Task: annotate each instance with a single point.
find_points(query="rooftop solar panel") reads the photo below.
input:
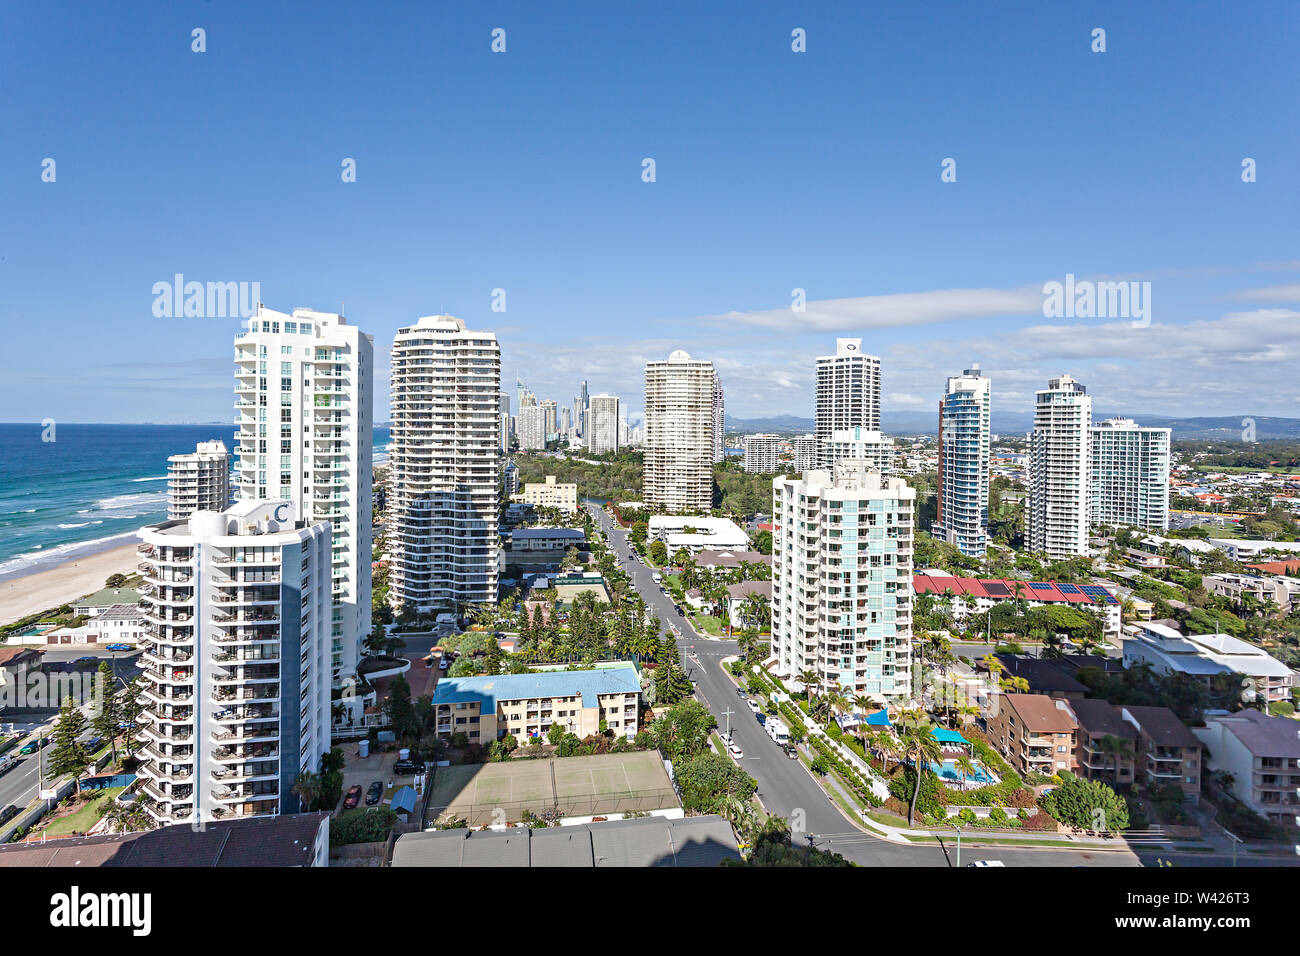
(1067, 589)
(1041, 585)
(996, 589)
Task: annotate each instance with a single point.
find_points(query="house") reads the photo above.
(738, 594)
(696, 534)
(1145, 559)
(1043, 677)
(1034, 732)
(966, 596)
(95, 604)
(14, 663)
(1262, 756)
(713, 560)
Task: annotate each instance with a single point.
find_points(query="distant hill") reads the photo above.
(1221, 428)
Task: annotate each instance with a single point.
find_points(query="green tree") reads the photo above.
(68, 755)
(708, 780)
(1086, 804)
(108, 712)
(683, 730)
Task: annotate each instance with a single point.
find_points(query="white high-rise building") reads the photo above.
(848, 389)
(304, 404)
(1129, 474)
(504, 422)
(679, 433)
(602, 419)
(1057, 516)
(445, 458)
(807, 452)
(198, 481)
(842, 545)
(762, 454)
(963, 493)
(236, 666)
(861, 444)
(719, 420)
(532, 428)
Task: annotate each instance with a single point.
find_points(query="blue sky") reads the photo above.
(775, 170)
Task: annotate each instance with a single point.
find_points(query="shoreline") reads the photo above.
(41, 589)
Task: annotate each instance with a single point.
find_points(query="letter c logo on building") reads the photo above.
(279, 512)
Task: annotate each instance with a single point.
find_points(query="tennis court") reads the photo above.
(573, 786)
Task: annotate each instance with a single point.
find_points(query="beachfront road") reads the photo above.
(784, 785)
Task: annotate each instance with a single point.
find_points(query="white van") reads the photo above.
(656, 577)
(7, 762)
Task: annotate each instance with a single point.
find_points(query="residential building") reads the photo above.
(967, 596)
(738, 595)
(526, 705)
(719, 418)
(762, 454)
(1251, 593)
(1205, 657)
(445, 458)
(550, 494)
(510, 478)
(1106, 745)
(963, 492)
(1034, 732)
(807, 452)
(1129, 475)
(601, 424)
(531, 423)
(842, 545)
(848, 389)
(553, 541)
(236, 665)
(96, 604)
(862, 444)
(678, 471)
(1057, 516)
(304, 405)
(1262, 756)
(1167, 752)
(198, 481)
(696, 534)
(1251, 549)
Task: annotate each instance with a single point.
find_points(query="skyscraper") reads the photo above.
(842, 545)
(237, 660)
(762, 454)
(719, 417)
(532, 428)
(1129, 475)
(873, 447)
(848, 389)
(603, 415)
(678, 471)
(304, 405)
(963, 493)
(1056, 519)
(580, 411)
(445, 461)
(198, 481)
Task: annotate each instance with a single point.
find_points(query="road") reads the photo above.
(784, 785)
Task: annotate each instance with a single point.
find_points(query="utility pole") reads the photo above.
(727, 713)
(958, 829)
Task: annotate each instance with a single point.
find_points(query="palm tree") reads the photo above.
(965, 767)
(921, 747)
(308, 787)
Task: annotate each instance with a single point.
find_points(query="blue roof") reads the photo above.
(621, 679)
(574, 533)
(879, 719)
(946, 736)
(403, 800)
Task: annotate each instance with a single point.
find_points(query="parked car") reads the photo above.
(404, 768)
(792, 753)
(7, 814)
(34, 746)
(353, 797)
(93, 744)
(753, 704)
(736, 752)
(374, 793)
(119, 647)
(86, 660)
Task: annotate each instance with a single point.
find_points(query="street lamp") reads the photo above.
(958, 829)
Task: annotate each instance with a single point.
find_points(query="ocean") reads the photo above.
(91, 488)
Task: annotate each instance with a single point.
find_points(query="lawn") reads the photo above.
(84, 817)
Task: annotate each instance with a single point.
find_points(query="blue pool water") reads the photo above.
(948, 771)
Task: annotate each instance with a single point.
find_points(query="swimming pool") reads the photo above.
(948, 772)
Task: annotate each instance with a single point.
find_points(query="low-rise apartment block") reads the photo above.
(527, 705)
(1205, 656)
(1262, 755)
(552, 494)
(1034, 732)
(1167, 751)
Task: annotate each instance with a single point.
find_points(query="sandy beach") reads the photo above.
(62, 584)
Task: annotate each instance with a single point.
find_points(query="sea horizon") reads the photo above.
(92, 488)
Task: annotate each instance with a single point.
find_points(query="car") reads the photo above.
(753, 705)
(8, 813)
(34, 746)
(93, 744)
(736, 752)
(353, 797)
(404, 768)
(987, 863)
(741, 694)
(792, 753)
(86, 660)
(681, 612)
(374, 793)
(119, 647)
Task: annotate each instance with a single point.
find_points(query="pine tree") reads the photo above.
(68, 755)
(109, 714)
